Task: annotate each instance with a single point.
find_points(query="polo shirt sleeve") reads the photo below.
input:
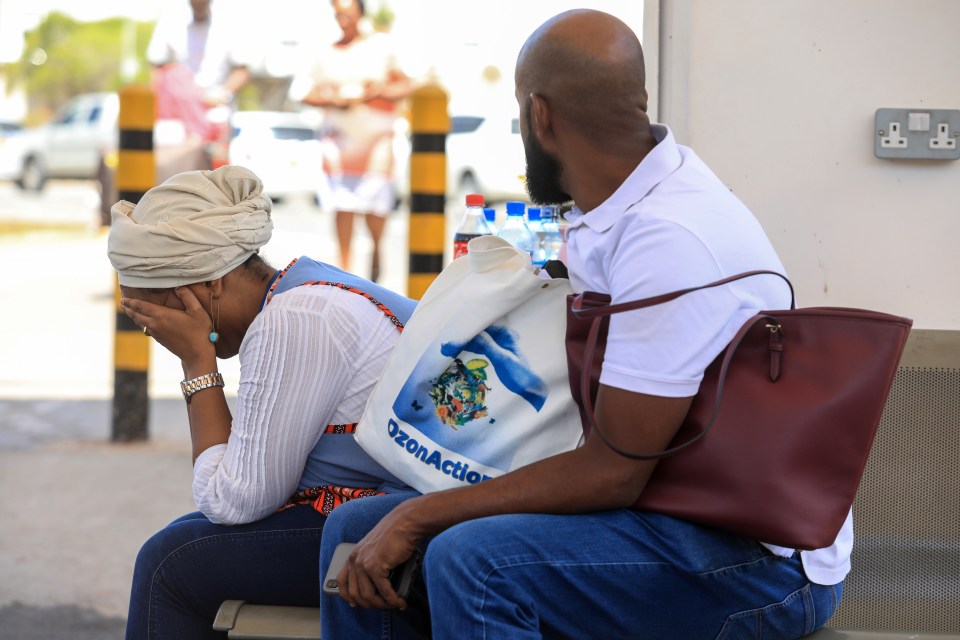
(664, 350)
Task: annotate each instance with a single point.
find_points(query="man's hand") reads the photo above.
(365, 578)
(605, 480)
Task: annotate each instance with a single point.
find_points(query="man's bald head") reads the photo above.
(588, 65)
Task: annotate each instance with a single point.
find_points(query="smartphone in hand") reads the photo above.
(401, 578)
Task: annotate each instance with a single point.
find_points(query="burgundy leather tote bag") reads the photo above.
(777, 438)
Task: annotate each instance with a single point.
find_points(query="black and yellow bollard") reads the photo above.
(136, 173)
(430, 124)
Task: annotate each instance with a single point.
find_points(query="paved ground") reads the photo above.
(75, 506)
(23, 622)
(75, 513)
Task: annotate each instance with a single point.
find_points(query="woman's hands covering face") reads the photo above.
(181, 325)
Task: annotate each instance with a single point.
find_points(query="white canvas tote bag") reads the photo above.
(477, 385)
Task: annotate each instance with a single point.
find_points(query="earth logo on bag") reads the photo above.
(459, 404)
(460, 392)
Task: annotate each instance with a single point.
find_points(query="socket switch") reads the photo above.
(923, 134)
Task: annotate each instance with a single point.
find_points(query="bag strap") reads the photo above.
(590, 348)
(593, 311)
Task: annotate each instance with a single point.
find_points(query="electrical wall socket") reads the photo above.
(924, 134)
(893, 139)
(943, 140)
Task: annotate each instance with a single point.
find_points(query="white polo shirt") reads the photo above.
(672, 225)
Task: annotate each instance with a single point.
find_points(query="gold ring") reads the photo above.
(146, 331)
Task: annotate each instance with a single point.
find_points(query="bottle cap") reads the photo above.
(490, 214)
(533, 213)
(515, 208)
(474, 200)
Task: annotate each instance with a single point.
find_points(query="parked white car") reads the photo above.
(10, 149)
(283, 148)
(81, 143)
(485, 155)
(72, 145)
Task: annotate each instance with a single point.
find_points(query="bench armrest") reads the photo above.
(243, 621)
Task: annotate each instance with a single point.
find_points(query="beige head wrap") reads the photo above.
(196, 226)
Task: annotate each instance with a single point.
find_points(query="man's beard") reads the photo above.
(543, 174)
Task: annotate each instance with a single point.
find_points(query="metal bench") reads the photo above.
(905, 581)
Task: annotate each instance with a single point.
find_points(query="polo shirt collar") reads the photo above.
(663, 160)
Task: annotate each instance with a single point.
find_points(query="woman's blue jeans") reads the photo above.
(613, 574)
(187, 569)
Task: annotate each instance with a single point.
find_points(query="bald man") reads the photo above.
(554, 549)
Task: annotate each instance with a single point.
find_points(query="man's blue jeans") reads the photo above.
(187, 569)
(613, 574)
(349, 523)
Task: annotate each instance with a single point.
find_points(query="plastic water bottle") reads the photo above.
(515, 229)
(552, 236)
(473, 225)
(491, 215)
(535, 223)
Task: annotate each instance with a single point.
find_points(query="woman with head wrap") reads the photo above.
(312, 341)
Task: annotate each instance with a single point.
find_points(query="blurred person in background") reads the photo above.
(360, 85)
(198, 67)
(265, 479)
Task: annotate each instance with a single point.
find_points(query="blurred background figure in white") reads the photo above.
(360, 85)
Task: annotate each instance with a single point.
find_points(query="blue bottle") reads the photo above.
(552, 236)
(491, 215)
(535, 223)
(515, 229)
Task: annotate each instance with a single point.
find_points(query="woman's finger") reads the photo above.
(133, 313)
(142, 307)
(157, 319)
(189, 300)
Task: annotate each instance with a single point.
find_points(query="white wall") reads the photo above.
(779, 97)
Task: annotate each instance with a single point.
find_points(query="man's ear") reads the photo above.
(542, 121)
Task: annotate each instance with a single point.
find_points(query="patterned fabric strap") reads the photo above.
(379, 305)
(326, 499)
(341, 428)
